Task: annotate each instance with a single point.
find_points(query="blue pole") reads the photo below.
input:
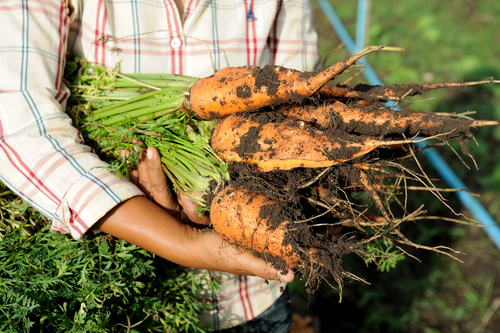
(361, 24)
(346, 38)
(479, 213)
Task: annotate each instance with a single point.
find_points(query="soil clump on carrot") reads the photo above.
(267, 77)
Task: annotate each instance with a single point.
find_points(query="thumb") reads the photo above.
(189, 207)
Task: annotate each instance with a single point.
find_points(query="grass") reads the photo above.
(443, 41)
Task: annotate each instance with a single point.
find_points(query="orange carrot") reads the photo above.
(391, 93)
(236, 215)
(238, 90)
(287, 145)
(380, 121)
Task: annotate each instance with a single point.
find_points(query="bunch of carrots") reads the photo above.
(275, 155)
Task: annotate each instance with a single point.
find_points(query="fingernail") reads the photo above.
(150, 153)
(282, 275)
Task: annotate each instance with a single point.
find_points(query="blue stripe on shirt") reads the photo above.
(137, 39)
(20, 49)
(215, 36)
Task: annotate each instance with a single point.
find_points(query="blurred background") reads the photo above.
(455, 40)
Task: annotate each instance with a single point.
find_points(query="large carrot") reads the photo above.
(380, 121)
(238, 90)
(230, 90)
(239, 217)
(287, 145)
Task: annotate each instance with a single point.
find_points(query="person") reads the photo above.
(44, 160)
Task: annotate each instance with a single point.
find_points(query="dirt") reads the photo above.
(267, 77)
(287, 190)
(244, 92)
(248, 142)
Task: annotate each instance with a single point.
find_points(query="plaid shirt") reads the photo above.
(43, 158)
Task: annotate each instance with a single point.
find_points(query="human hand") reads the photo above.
(149, 176)
(234, 260)
(209, 247)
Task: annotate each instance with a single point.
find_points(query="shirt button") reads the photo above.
(175, 43)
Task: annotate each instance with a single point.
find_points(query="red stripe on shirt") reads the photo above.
(103, 28)
(96, 32)
(274, 41)
(254, 32)
(16, 161)
(188, 9)
(61, 158)
(64, 96)
(169, 26)
(241, 298)
(62, 22)
(74, 216)
(179, 53)
(247, 39)
(248, 298)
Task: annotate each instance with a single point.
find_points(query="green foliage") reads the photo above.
(384, 254)
(52, 283)
(15, 213)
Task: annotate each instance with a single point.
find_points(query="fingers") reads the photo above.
(265, 270)
(134, 174)
(245, 263)
(150, 177)
(268, 272)
(157, 183)
(189, 207)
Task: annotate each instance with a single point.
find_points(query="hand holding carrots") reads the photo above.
(220, 255)
(150, 177)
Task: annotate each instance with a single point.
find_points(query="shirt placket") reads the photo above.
(176, 41)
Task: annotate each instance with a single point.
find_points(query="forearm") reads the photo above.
(141, 222)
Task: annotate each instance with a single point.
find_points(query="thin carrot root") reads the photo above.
(346, 214)
(392, 93)
(347, 151)
(247, 89)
